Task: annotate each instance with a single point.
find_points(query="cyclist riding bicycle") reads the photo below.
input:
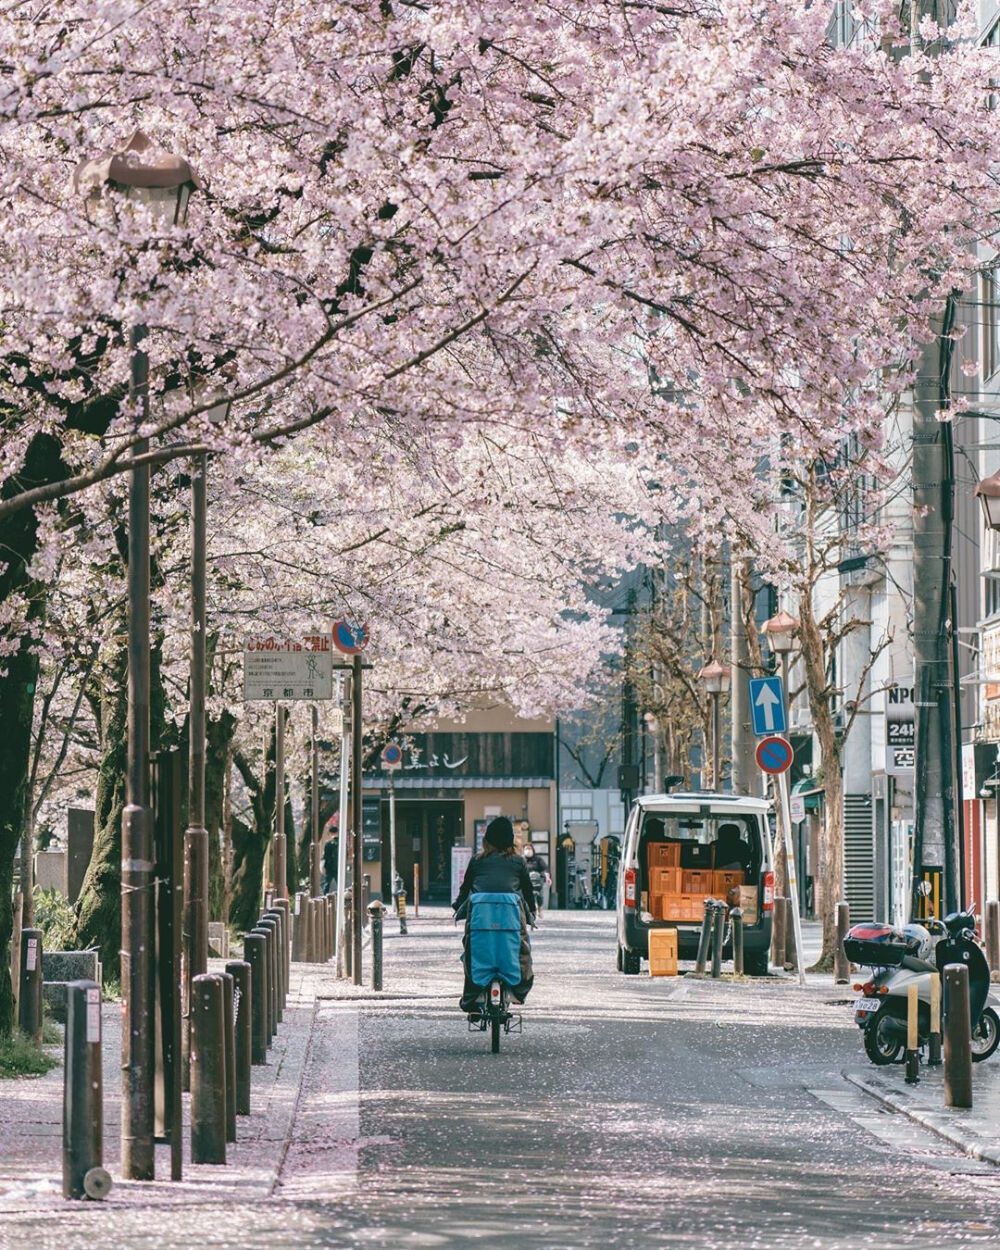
(497, 869)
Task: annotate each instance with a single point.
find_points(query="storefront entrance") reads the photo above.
(426, 830)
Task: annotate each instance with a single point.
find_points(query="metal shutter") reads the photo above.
(859, 857)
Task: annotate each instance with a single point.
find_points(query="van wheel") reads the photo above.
(631, 961)
(755, 963)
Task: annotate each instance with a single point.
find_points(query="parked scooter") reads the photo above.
(907, 956)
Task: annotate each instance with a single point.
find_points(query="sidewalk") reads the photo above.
(976, 1132)
(31, 1118)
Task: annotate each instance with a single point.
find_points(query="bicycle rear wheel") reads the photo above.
(495, 1014)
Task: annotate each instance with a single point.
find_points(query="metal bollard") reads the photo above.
(791, 954)
(841, 964)
(83, 1112)
(416, 889)
(376, 913)
(401, 908)
(705, 941)
(298, 931)
(270, 926)
(270, 1009)
(736, 916)
(208, 1071)
(316, 930)
(29, 998)
(991, 932)
(278, 917)
(718, 934)
(241, 973)
(778, 933)
(349, 934)
(957, 1037)
(934, 1036)
(284, 906)
(912, 1035)
(255, 952)
(229, 1049)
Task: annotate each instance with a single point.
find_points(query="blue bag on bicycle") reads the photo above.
(495, 938)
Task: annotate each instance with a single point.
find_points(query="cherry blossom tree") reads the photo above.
(437, 218)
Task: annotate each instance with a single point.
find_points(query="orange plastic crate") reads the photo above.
(664, 881)
(663, 952)
(697, 881)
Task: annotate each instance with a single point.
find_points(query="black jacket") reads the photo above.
(496, 874)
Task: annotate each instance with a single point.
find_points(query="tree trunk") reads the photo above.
(219, 736)
(18, 677)
(831, 846)
(250, 843)
(99, 909)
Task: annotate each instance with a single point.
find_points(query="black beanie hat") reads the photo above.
(500, 833)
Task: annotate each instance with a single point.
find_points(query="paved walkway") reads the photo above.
(283, 1103)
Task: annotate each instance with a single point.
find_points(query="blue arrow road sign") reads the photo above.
(767, 706)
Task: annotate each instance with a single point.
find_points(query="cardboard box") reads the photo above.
(663, 953)
(664, 881)
(696, 881)
(723, 880)
(748, 902)
(663, 855)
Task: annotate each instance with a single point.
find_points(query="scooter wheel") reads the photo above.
(882, 1042)
(986, 1037)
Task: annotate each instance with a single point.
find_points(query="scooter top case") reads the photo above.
(879, 945)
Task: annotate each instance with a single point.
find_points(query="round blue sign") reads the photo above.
(349, 637)
(392, 754)
(774, 755)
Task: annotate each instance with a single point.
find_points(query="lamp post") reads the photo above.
(715, 677)
(162, 183)
(779, 630)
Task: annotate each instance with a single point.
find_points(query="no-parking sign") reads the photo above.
(774, 754)
(392, 756)
(350, 637)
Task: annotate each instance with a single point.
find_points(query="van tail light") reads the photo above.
(769, 891)
(630, 887)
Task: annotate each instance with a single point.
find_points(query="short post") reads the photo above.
(298, 930)
(778, 932)
(241, 973)
(349, 934)
(705, 941)
(416, 889)
(83, 1112)
(29, 998)
(401, 908)
(270, 926)
(208, 1071)
(278, 917)
(841, 964)
(991, 927)
(376, 913)
(791, 954)
(284, 906)
(912, 1035)
(934, 1036)
(330, 913)
(229, 1049)
(736, 916)
(957, 1037)
(718, 935)
(255, 952)
(270, 1014)
(366, 889)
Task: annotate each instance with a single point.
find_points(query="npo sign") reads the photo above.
(275, 669)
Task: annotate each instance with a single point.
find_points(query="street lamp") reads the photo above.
(163, 183)
(779, 631)
(715, 677)
(988, 493)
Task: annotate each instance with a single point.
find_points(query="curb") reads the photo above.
(938, 1122)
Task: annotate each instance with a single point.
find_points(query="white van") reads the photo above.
(683, 848)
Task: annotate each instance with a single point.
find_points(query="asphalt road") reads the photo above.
(631, 1112)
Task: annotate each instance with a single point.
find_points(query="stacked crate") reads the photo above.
(679, 894)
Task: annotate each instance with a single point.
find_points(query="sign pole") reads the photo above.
(342, 832)
(280, 873)
(359, 846)
(392, 834)
(793, 887)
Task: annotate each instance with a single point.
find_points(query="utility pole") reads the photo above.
(935, 826)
